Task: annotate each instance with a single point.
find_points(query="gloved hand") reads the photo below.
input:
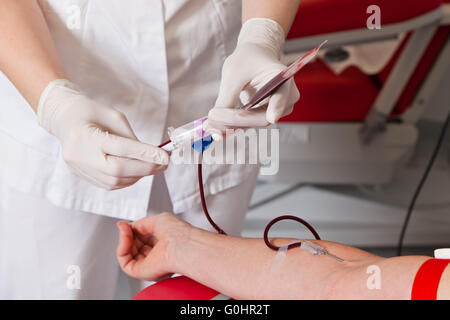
(255, 61)
(97, 141)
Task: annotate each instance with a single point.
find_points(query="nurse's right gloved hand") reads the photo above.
(255, 61)
(97, 141)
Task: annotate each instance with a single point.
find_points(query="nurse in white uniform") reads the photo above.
(104, 79)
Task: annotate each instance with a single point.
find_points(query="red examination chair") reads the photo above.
(352, 127)
(355, 128)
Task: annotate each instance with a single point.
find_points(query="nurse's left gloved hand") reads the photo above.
(97, 141)
(255, 61)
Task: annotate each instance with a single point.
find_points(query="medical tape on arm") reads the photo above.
(279, 258)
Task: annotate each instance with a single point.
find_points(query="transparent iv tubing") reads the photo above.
(189, 133)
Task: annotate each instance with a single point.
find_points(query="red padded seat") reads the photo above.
(178, 288)
(327, 97)
(328, 16)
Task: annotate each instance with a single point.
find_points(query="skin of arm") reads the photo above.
(282, 11)
(246, 269)
(28, 56)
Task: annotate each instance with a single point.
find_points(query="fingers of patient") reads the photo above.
(140, 238)
(138, 242)
(134, 250)
(142, 248)
(125, 238)
(145, 250)
(146, 226)
(134, 247)
(139, 257)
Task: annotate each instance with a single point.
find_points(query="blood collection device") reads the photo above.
(194, 132)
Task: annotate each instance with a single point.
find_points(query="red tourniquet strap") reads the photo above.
(427, 279)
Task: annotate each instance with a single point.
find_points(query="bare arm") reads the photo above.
(247, 269)
(282, 11)
(28, 56)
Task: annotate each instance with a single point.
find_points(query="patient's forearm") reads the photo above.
(247, 269)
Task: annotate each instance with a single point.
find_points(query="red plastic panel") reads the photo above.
(327, 16)
(327, 97)
(421, 71)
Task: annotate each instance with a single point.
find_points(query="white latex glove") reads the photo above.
(255, 61)
(97, 141)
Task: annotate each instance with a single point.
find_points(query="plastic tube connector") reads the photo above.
(188, 133)
(312, 248)
(316, 249)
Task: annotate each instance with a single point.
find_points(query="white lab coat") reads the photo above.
(157, 61)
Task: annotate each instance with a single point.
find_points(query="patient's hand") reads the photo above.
(146, 247)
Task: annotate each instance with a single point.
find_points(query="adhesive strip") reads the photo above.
(279, 258)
